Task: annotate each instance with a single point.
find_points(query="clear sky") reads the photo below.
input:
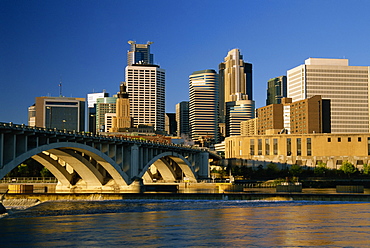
(84, 42)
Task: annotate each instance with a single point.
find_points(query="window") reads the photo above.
(299, 147)
(289, 147)
(359, 139)
(349, 139)
(259, 146)
(368, 145)
(275, 147)
(267, 146)
(329, 139)
(339, 139)
(252, 147)
(309, 151)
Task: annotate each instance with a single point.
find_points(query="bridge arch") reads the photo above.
(65, 151)
(166, 170)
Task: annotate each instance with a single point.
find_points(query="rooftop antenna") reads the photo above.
(60, 87)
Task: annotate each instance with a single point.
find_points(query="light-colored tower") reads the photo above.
(346, 86)
(236, 97)
(146, 89)
(203, 104)
(91, 110)
(122, 120)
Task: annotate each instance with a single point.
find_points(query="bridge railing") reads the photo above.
(29, 180)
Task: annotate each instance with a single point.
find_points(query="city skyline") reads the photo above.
(83, 44)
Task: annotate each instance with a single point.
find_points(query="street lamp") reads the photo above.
(64, 121)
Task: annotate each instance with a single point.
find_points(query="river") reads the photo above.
(187, 223)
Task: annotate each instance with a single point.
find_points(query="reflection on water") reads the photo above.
(145, 223)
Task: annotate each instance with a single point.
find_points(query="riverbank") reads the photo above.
(268, 196)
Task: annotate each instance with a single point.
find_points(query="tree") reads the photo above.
(348, 168)
(366, 169)
(320, 169)
(295, 169)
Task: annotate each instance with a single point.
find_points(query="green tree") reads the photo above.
(366, 169)
(272, 169)
(320, 169)
(295, 170)
(348, 168)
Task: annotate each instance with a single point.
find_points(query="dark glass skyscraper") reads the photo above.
(276, 90)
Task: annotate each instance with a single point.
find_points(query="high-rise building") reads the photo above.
(235, 88)
(139, 53)
(182, 118)
(170, 123)
(346, 86)
(276, 90)
(236, 112)
(58, 112)
(203, 105)
(122, 120)
(146, 89)
(91, 110)
(104, 105)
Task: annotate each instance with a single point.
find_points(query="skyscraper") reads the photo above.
(203, 105)
(59, 112)
(276, 90)
(146, 89)
(346, 86)
(236, 96)
(139, 53)
(182, 118)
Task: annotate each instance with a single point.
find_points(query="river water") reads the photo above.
(187, 223)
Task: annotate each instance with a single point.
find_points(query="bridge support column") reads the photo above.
(203, 160)
(134, 161)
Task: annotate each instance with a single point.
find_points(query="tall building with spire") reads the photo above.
(122, 120)
(236, 96)
(146, 87)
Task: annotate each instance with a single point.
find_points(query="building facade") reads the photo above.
(203, 105)
(276, 90)
(104, 105)
(122, 120)
(170, 124)
(59, 112)
(91, 110)
(146, 89)
(182, 118)
(236, 112)
(346, 86)
(301, 149)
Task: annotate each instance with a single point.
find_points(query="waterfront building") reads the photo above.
(346, 86)
(91, 109)
(235, 88)
(122, 119)
(203, 105)
(269, 117)
(139, 53)
(276, 90)
(58, 112)
(104, 105)
(301, 149)
(182, 118)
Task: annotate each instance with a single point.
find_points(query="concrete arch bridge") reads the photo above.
(88, 163)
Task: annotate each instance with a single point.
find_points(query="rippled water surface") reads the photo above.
(145, 223)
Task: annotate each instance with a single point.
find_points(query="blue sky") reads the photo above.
(85, 42)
